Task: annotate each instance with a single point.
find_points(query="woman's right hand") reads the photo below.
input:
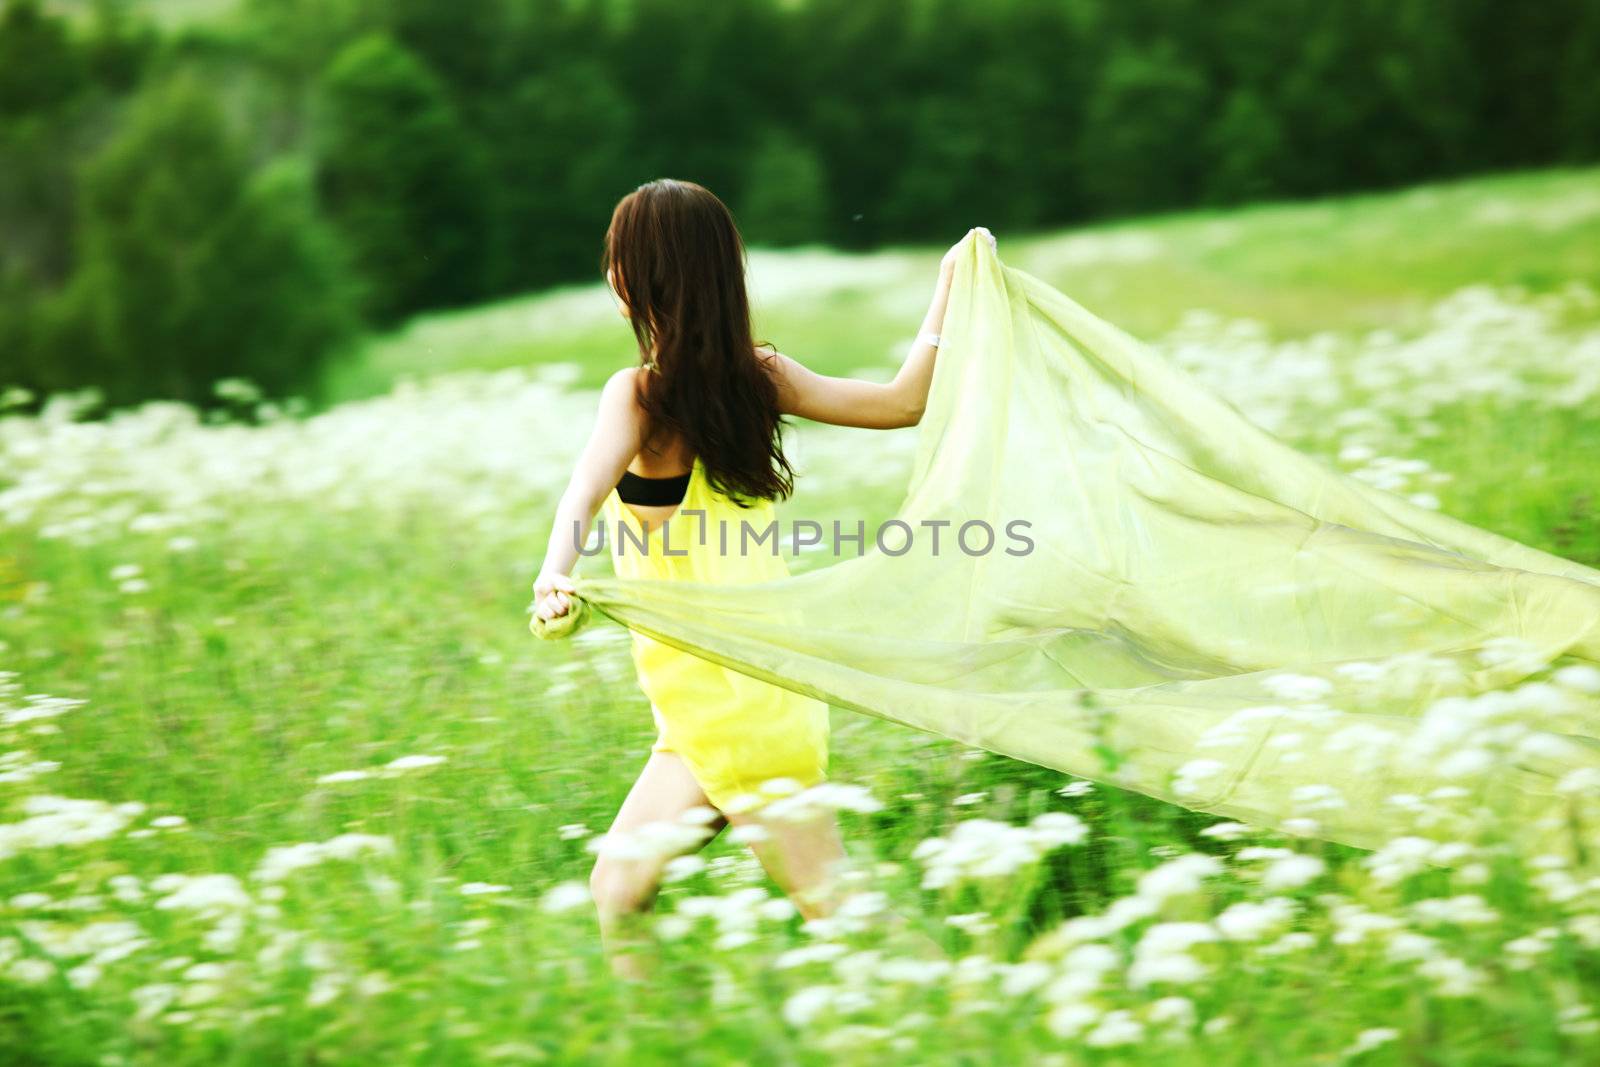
(947, 266)
(552, 594)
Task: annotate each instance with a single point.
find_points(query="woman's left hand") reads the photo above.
(948, 264)
(552, 594)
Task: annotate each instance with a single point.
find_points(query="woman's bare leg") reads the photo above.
(624, 888)
(806, 858)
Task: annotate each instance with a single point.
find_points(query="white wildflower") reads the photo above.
(412, 763)
(1249, 921)
(565, 896)
(1177, 877)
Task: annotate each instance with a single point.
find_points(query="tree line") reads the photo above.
(243, 196)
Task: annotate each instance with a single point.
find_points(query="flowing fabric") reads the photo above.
(1206, 615)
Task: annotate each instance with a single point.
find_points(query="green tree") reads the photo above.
(285, 278)
(1580, 89)
(193, 267)
(563, 155)
(1138, 147)
(40, 66)
(843, 52)
(405, 183)
(1244, 145)
(37, 157)
(785, 193)
(699, 94)
(18, 353)
(118, 45)
(467, 45)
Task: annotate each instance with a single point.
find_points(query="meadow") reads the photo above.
(284, 777)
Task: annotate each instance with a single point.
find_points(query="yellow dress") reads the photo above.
(734, 731)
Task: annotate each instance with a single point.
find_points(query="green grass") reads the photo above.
(353, 592)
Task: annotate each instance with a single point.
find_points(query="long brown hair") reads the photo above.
(678, 263)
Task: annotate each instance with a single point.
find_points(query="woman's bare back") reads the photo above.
(668, 456)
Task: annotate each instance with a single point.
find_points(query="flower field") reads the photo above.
(284, 778)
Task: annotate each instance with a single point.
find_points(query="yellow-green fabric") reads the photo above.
(1197, 591)
(562, 625)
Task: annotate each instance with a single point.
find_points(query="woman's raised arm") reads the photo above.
(872, 405)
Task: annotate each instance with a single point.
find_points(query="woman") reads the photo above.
(696, 426)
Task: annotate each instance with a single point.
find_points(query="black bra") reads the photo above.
(652, 492)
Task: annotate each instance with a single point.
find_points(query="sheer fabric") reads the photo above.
(1206, 615)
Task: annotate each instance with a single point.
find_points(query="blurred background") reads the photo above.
(201, 189)
(301, 329)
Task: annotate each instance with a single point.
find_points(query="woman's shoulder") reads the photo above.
(788, 374)
(620, 409)
(625, 377)
(622, 388)
(775, 363)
